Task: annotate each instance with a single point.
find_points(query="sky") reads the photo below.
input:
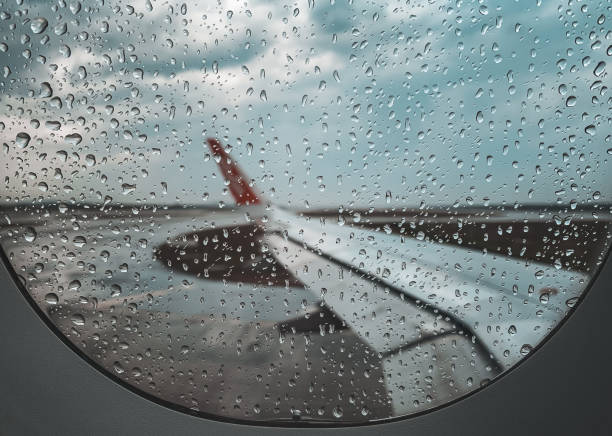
(322, 103)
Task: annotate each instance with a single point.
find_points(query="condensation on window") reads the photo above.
(306, 211)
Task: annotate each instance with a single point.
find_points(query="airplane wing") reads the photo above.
(398, 293)
(497, 297)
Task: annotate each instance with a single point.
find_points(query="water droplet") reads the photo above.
(590, 129)
(115, 290)
(22, 139)
(29, 234)
(118, 368)
(79, 241)
(599, 69)
(45, 90)
(127, 188)
(75, 7)
(65, 51)
(571, 302)
(73, 139)
(78, 319)
(38, 25)
(60, 29)
(51, 298)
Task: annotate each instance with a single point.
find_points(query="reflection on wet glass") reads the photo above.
(314, 211)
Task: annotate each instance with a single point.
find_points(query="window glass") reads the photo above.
(305, 211)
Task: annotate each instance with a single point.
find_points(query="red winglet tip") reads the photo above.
(238, 184)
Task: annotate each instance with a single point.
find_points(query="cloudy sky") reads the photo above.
(323, 103)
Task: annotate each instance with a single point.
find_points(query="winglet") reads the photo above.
(238, 182)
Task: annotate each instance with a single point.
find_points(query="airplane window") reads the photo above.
(307, 211)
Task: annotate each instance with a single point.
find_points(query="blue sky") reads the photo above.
(323, 103)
